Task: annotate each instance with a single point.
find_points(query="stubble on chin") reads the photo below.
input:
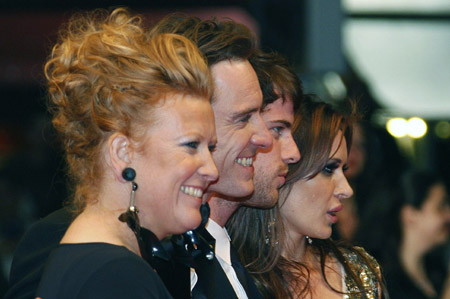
(263, 197)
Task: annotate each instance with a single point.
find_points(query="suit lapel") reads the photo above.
(244, 277)
(212, 281)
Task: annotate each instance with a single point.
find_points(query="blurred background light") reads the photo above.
(442, 129)
(402, 6)
(397, 127)
(417, 127)
(334, 85)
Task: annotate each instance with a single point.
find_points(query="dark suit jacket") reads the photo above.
(213, 282)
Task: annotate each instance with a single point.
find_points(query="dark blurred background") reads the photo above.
(393, 56)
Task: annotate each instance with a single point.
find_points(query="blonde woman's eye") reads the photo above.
(192, 144)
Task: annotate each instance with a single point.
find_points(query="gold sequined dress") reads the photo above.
(360, 266)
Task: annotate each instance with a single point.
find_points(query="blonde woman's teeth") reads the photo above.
(192, 191)
(244, 161)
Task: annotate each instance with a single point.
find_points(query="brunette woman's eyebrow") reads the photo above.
(336, 160)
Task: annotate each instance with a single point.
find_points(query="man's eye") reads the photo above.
(277, 130)
(212, 147)
(245, 118)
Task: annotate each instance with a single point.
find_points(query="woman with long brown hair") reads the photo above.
(288, 250)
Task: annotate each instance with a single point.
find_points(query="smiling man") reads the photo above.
(282, 96)
(282, 93)
(241, 132)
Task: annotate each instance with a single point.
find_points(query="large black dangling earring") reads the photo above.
(130, 217)
(129, 174)
(149, 245)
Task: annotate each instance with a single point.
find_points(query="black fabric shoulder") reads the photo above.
(99, 270)
(33, 251)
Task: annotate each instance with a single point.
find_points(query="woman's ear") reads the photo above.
(120, 153)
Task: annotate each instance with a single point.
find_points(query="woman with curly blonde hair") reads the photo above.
(134, 116)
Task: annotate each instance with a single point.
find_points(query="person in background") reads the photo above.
(296, 258)
(375, 165)
(135, 120)
(420, 223)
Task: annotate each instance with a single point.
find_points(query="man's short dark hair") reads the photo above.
(276, 78)
(218, 40)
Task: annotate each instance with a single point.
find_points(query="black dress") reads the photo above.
(99, 270)
(32, 253)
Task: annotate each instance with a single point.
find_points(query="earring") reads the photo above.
(310, 241)
(129, 174)
(149, 245)
(130, 217)
(271, 233)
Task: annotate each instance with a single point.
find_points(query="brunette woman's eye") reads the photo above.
(212, 147)
(345, 168)
(330, 168)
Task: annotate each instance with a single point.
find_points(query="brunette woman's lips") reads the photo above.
(332, 213)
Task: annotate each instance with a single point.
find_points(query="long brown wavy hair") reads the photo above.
(258, 234)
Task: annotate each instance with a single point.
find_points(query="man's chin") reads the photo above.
(234, 191)
(262, 202)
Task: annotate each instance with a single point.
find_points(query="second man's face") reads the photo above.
(271, 164)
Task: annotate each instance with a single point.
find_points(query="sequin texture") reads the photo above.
(365, 273)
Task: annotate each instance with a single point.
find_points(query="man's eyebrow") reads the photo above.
(283, 122)
(240, 114)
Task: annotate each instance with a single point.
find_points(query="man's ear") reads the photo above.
(120, 153)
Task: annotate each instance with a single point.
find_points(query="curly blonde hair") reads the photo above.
(104, 76)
